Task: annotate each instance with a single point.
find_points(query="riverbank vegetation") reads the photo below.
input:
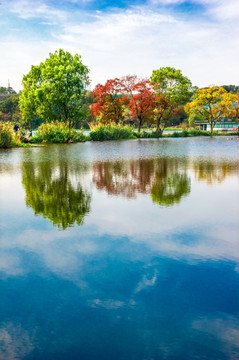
(57, 132)
(111, 131)
(11, 138)
(56, 103)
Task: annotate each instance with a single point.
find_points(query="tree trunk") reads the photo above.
(158, 122)
(159, 128)
(139, 125)
(211, 128)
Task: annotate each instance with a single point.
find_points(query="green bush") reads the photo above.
(57, 132)
(6, 135)
(111, 132)
(147, 134)
(192, 132)
(228, 133)
(10, 138)
(184, 133)
(198, 132)
(175, 134)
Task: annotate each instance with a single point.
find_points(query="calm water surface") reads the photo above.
(120, 250)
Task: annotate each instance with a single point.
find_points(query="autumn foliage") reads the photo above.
(163, 109)
(213, 104)
(156, 101)
(141, 98)
(109, 102)
(138, 95)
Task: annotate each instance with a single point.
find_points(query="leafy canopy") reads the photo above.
(141, 103)
(52, 90)
(212, 104)
(173, 84)
(108, 105)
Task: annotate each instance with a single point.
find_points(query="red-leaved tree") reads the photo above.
(163, 109)
(141, 98)
(108, 101)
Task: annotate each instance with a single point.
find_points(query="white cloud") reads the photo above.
(108, 304)
(26, 9)
(145, 282)
(10, 265)
(226, 329)
(16, 342)
(134, 41)
(222, 9)
(140, 41)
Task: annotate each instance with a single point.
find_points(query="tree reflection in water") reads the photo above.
(165, 179)
(124, 178)
(53, 193)
(213, 171)
(168, 191)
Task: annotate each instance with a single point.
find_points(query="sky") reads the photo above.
(120, 37)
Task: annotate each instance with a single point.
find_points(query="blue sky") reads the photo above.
(117, 38)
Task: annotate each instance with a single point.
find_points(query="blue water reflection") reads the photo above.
(115, 274)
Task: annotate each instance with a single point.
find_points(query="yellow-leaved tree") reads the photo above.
(212, 104)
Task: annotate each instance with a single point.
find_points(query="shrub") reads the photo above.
(57, 132)
(6, 135)
(198, 132)
(185, 133)
(9, 137)
(192, 132)
(184, 125)
(104, 132)
(176, 134)
(147, 134)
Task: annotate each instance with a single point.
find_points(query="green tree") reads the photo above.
(7, 90)
(85, 117)
(172, 90)
(53, 89)
(3, 90)
(234, 89)
(173, 84)
(193, 117)
(10, 106)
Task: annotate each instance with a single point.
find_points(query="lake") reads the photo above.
(120, 250)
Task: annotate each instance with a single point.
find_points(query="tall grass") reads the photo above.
(57, 132)
(9, 137)
(148, 134)
(192, 132)
(104, 132)
(6, 135)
